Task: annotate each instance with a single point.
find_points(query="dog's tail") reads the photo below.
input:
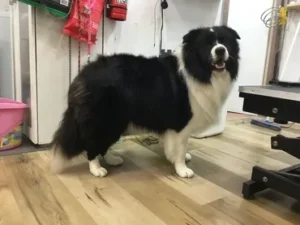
(66, 143)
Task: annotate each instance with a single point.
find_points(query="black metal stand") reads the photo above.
(286, 181)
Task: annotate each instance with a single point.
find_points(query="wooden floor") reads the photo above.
(145, 189)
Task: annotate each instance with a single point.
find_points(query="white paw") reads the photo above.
(188, 157)
(184, 172)
(98, 172)
(112, 160)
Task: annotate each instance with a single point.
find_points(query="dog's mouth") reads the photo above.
(220, 65)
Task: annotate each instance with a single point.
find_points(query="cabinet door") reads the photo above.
(6, 45)
(23, 51)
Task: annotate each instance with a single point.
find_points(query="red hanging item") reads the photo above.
(116, 9)
(84, 20)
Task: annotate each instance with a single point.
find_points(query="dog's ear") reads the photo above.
(191, 36)
(233, 32)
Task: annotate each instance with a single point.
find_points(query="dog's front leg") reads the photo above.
(179, 160)
(176, 152)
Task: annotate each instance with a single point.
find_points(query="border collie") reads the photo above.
(173, 96)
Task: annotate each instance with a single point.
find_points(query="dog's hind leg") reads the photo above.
(96, 169)
(94, 149)
(105, 126)
(176, 152)
(98, 144)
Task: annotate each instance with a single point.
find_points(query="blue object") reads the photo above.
(266, 124)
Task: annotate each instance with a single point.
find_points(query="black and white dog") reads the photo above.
(172, 96)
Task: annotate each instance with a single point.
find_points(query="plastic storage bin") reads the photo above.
(11, 123)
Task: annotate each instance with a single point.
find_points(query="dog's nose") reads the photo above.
(220, 51)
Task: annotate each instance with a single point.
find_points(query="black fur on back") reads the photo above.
(115, 91)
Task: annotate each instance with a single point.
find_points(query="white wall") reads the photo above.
(138, 33)
(245, 18)
(181, 16)
(291, 71)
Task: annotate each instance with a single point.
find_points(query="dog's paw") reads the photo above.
(98, 172)
(184, 172)
(188, 157)
(113, 160)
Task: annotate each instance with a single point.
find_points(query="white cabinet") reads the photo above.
(6, 81)
(40, 69)
(23, 61)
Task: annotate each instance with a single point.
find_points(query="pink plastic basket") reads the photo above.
(11, 120)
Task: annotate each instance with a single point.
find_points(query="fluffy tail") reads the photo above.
(66, 143)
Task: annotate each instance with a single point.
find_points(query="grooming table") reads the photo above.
(281, 103)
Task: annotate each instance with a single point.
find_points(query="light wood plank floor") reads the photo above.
(145, 190)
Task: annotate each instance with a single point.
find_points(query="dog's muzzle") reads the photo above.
(219, 55)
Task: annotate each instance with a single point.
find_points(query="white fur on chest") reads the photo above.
(207, 100)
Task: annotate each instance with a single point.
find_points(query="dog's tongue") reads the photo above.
(220, 65)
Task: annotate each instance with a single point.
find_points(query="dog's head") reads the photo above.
(209, 49)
